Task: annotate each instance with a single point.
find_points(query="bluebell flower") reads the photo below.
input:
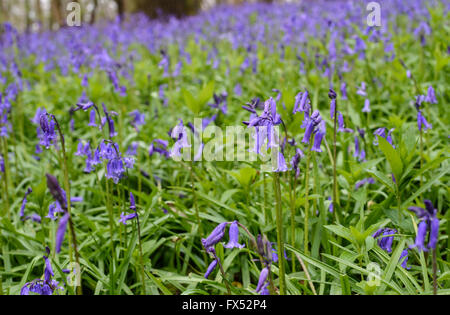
(364, 181)
(24, 202)
(366, 108)
(262, 279)
(46, 133)
(341, 124)
(124, 218)
(215, 237)
(404, 259)
(115, 169)
(92, 118)
(385, 238)
(422, 123)
(234, 236)
(429, 222)
(61, 231)
(211, 268)
(311, 124)
(138, 119)
(431, 96)
(320, 134)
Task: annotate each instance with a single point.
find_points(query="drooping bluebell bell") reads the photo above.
(46, 133)
(381, 132)
(404, 259)
(341, 124)
(364, 181)
(115, 169)
(429, 222)
(132, 149)
(138, 119)
(263, 278)
(366, 108)
(422, 123)
(124, 218)
(431, 96)
(220, 102)
(211, 268)
(311, 124)
(159, 146)
(234, 236)
(24, 202)
(61, 231)
(320, 134)
(281, 163)
(92, 118)
(362, 89)
(385, 238)
(180, 135)
(302, 103)
(296, 160)
(215, 237)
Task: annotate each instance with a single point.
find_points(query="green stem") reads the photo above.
(292, 195)
(69, 209)
(306, 224)
(279, 218)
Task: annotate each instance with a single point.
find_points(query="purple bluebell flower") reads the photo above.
(216, 236)
(295, 161)
(404, 259)
(238, 89)
(92, 118)
(124, 218)
(302, 103)
(62, 227)
(311, 124)
(115, 169)
(138, 119)
(364, 181)
(321, 131)
(330, 207)
(24, 202)
(132, 202)
(42, 287)
(385, 238)
(46, 133)
(211, 268)
(431, 96)
(179, 133)
(234, 236)
(281, 163)
(366, 108)
(422, 123)
(362, 89)
(341, 124)
(262, 279)
(429, 221)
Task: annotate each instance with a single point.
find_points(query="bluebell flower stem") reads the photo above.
(280, 245)
(335, 184)
(292, 195)
(306, 223)
(72, 233)
(222, 272)
(111, 232)
(141, 256)
(435, 286)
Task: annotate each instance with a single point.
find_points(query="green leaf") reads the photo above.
(392, 156)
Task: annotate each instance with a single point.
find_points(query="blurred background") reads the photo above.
(40, 15)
